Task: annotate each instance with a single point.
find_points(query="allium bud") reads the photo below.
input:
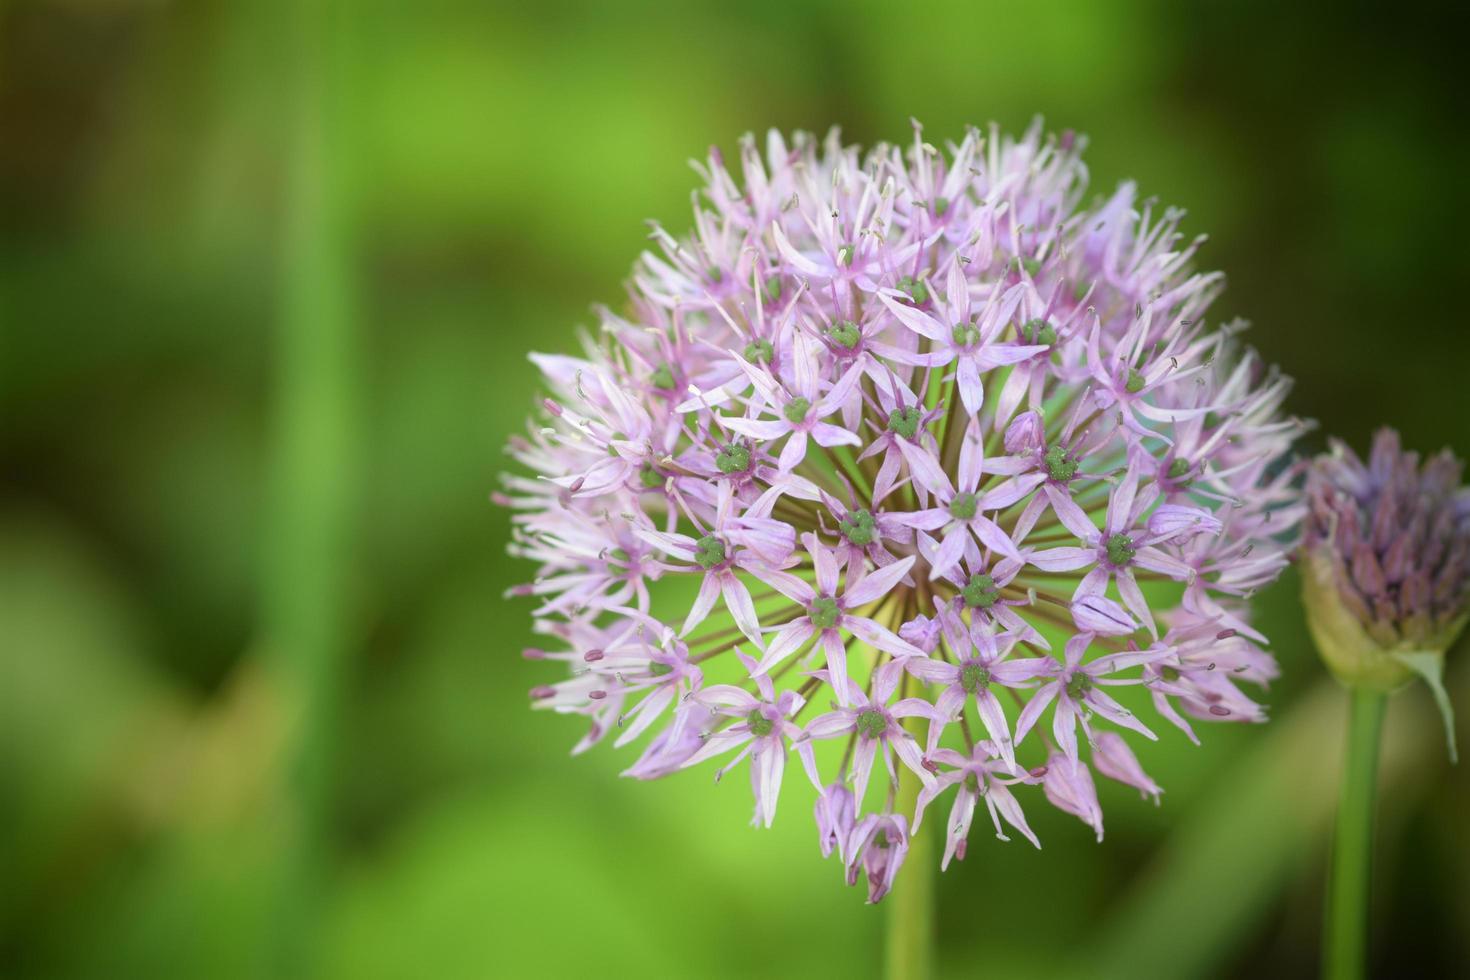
(877, 846)
(931, 443)
(1386, 569)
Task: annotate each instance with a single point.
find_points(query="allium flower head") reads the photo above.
(1387, 572)
(910, 462)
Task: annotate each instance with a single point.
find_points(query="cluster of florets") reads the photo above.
(938, 454)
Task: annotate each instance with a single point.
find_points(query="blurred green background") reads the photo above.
(268, 275)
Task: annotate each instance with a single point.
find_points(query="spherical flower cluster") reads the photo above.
(907, 456)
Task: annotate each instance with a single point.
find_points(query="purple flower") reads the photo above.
(866, 533)
(761, 729)
(904, 440)
(828, 612)
(960, 513)
(1114, 759)
(801, 410)
(922, 633)
(976, 666)
(1122, 547)
(878, 843)
(1068, 786)
(1077, 691)
(718, 556)
(877, 728)
(835, 815)
(984, 775)
(896, 423)
(972, 345)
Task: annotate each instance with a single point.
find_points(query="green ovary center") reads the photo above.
(1120, 549)
(965, 334)
(917, 291)
(1039, 331)
(973, 677)
(1078, 686)
(733, 459)
(963, 506)
(760, 351)
(905, 421)
(1135, 382)
(709, 551)
(980, 592)
(871, 723)
(859, 528)
(760, 725)
(823, 613)
(845, 335)
(1059, 466)
(796, 410)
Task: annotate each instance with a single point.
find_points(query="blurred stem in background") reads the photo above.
(1214, 883)
(305, 580)
(909, 943)
(1345, 941)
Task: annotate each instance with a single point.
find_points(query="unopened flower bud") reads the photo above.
(1386, 564)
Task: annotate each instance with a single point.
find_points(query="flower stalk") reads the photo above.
(1345, 943)
(908, 952)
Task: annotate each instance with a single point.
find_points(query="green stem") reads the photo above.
(909, 942)
(309, 549)
(1346, 935)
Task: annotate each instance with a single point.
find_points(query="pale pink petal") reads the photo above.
(1073, 517)
(1114, 759)
(1134, 600)
(972, 459)
(876, 636)
(877, 584)
(1064, 727)
(1062, 559)
(793, 452)
(826, 563)
(646, 713)
(961, 816)
(972, 389)
(836, 665)
(766, 768)
(829, 435)
(863, 756)
(925, 468)
(951, 550)
(1116, 713)
(1000, 800)
(763, 429)
(742, 608)
(1101, 615)
(787, 641)
(918, 321)
(709, 591)
(994, 720)
(1031, 714)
